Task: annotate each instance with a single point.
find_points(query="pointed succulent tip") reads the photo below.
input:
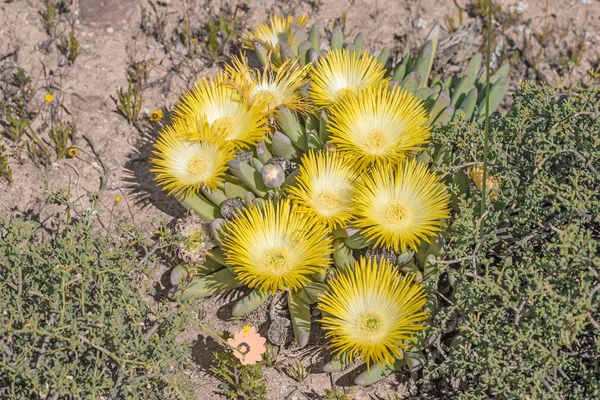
(285, 52)
(249, 303)
(305, 89)
(411, 81)
(333, 366)
(434, 33)
(303, 49)
(299, 32)
(384, 56)
(179, 274)
(313, 55)
(358, 43)
(233, 164)
(215, 228)
(337, 38)
(315, 37)
(261, 52)
(375, 373)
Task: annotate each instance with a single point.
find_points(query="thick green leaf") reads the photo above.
(249, 303)
(300, 316)
(209, 285)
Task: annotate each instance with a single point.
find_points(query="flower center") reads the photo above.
(243, 348)
(197, 166)
(224, 125)
(348, 90)
(271, 98)
(376, 141)
(369, 323)
(328, 200)
(275, 261)
(395, 214)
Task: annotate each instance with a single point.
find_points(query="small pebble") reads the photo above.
(522, 7)
(110, 29)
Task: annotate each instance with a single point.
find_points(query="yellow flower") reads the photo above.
(117, 199)
(278, 30)
(399, 205)
(73, 152)
(220, 107)
(156, 116)
(342, 72)
(372, 311)
(270, 247)
(274, 87)
(48, 98)
(182, 166)
(324, 188)
(378, 125)
(491, 184)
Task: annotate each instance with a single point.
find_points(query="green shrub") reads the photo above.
(74, 322)
(238, 381)
(522, 309)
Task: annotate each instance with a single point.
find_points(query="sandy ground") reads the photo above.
(544, 40)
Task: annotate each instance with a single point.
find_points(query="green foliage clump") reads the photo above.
(74, 322)
(522, 315)
(238, 381)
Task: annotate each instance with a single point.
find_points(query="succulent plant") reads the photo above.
(306, 134)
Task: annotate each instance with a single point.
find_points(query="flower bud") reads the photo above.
(273, 175)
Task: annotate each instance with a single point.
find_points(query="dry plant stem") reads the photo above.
(91, 143)
(487, 109)
(473, 256)
(586, 161)
(159, 322)
(153, 250)
(332, 384)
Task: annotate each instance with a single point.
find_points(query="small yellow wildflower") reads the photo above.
(73, 152)
(156, 116)
(48, 98)
(117, 199)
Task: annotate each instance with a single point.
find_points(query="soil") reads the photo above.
(544, 40)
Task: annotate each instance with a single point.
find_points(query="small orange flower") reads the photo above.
(48, 98)
(73, 152)
(156, 116)
(248, 345)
